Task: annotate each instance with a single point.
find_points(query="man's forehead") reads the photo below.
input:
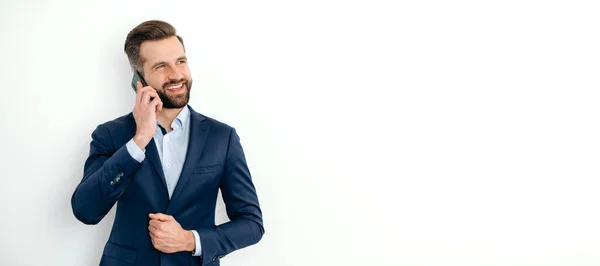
(162, 50)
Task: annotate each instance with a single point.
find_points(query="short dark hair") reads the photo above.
(152, 30)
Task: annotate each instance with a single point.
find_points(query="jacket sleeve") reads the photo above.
(245, 227)
(106, 174)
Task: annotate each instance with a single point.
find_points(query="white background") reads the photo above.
(378, 133)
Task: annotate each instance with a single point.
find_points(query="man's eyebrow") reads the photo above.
(163, 62)
(156, 64)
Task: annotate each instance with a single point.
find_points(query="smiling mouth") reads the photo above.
(175, 87)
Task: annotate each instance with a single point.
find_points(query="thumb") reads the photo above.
(139, 85)
(160, 216)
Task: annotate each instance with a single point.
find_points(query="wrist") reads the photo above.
(189, 241)
(141, 141)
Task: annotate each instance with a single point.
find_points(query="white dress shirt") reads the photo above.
(172, 148)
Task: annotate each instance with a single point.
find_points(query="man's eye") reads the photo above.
(161, 66)
(181, 62)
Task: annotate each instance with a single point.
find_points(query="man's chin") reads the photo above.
(175, 104)
(174, 100)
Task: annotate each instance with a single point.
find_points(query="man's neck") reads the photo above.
(166, 117)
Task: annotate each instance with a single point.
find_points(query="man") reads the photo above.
(164, 163)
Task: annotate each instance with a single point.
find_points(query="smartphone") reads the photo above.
(137, 77)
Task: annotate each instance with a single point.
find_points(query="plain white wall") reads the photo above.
(377, 132)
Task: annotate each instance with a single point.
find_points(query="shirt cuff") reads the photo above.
(198, 245)
(135, 151)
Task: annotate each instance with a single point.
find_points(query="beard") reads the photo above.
(175, 101)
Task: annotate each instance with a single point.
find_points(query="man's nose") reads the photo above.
(174, 74)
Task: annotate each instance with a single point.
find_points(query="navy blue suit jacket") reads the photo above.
(214, 160)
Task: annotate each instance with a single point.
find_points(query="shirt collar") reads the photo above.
(181, 119)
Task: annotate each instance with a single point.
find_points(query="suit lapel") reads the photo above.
(198, 133)
(151, 154)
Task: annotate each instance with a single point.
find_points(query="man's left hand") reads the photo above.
(167, 235)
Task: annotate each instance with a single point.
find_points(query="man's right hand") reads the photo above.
(144, 113)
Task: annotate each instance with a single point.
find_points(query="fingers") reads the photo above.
(161, 240)
(155, 227)
(153, 231)
(155, 102)
(144, 94)
(161, 217)
(145, 97)
(154, 238)
(148, 93)
(156, 224)
(153, 94)
(149, 98)
(138, 95)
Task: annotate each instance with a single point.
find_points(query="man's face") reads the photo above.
(166, 70)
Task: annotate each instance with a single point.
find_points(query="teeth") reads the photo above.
(175, 87)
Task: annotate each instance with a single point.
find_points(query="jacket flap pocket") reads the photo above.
(207, 169)
(120, 253)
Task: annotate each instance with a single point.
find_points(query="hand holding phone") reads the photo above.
(147, 104)
(137, 77)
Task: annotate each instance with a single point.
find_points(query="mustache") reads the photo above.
(173, 82)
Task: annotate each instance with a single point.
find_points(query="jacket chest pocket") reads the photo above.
(207, 169)
(207, 176)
